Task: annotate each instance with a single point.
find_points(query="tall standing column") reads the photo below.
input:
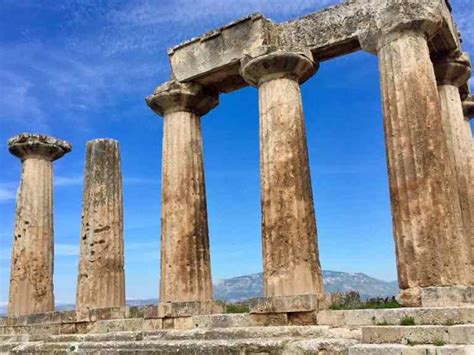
(31, 281)
(101, 279)
(185, 256)
(468, 108)
(426, 211)
(290, 251)
(451, 73)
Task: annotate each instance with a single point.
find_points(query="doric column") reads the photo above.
(452, 72)
(290, 251)
(427, 219)
(101, 278)
(185, 257)
(31, 281)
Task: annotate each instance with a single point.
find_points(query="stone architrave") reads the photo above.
(426, 212)
(101, 277)
(185, 255)
(289, 237)
(452, 72)
(31, 281)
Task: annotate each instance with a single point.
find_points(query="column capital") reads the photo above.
(468, 107)
(174, 96)
(28, 145)
(298, 65)
(453, 69)
(397, 18)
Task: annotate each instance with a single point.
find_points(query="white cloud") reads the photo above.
(7, 194)
(66, 249)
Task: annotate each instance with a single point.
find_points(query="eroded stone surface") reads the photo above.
(290, 251)
(451, 73)
(423, 188)
(468, 107)
(31, 280)
(185, 258)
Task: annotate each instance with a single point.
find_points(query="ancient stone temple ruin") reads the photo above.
(427, 106)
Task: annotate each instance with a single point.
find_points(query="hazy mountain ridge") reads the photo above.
(249, 286)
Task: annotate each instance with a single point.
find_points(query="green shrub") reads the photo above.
(237, 308)
(407, 321)
(439, 342)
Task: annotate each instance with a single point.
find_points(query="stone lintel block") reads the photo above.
(453, 296)
(183, 309)
(213, 58)
(468, 107)
(174, 96)
(27, 145)
(287, 304)
(392, 18)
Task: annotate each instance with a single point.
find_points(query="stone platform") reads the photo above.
(127, 330)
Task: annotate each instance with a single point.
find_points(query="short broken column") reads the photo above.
(31, 281)
(185, 255)
(427, 219)
(101, 277)
(290, 253)
(452, 72)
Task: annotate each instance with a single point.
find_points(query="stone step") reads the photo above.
(203, 334)
(399, 349)
(428, 316)
(283, 346)
(425, 334)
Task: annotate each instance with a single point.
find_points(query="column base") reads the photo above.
(290, 304)
(439, 296)
(450, 296)
(183, 309)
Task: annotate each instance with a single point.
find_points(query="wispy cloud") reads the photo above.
(66, 249)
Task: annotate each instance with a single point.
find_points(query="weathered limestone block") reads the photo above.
(213, 58)
(31, 280)
(185, 258)
(456, 296)
(451, 73)
(290, 252)
(101, 278)
(423, 188)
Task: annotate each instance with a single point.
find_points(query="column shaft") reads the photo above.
(461, 149)
(31, 281)
(185, 257)
(290, 249)
(425, 202)
(101, 278)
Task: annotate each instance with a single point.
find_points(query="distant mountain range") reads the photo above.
(242, 288)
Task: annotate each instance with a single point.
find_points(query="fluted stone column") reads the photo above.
(290, 251)
(31, 281)
(101, 278)
(185, 255)
(451, 73)
(426, 211)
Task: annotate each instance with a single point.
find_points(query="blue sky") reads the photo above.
(80, 70)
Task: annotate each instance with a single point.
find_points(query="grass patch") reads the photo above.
(384, 322)
(407, 321)
(237, 308)
(439, 342)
